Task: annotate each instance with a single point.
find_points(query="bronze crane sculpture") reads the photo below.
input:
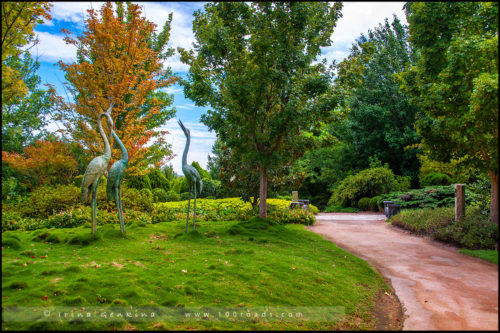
(192, 176)
(96, 168)
(115, 176)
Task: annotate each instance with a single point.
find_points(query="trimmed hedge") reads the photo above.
(473, 231)
(232, 209)
(435, 178)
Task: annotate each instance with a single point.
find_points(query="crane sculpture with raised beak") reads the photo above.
(192, 176)
(115, 177)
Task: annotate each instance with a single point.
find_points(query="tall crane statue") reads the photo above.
(96, 168)
(192, 176)
(115, 176)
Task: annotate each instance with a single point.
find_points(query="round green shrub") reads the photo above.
(172, 196)
(159, 195)
(364, 204)
(185, 196)
(141, 200)
(138, 181)
(435, 178)
(48, 200)
(366, 183)
(158, 180)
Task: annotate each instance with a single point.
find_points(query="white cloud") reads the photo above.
(173, 90)
(175, 64)
(53, 48)
(187, 107)
(75, 11)
(358, 18)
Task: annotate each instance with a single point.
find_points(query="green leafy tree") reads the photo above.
(379, 119)
(24, 118)
(253, 67)
(455, 83)
(168, 171)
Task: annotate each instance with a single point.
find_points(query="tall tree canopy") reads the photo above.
(18, 23)
(24, 118)
(455, 82)
(252, 64)
(120, 59)
(379, 118)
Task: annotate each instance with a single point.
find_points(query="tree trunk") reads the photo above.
(494, 197)
(263, 192)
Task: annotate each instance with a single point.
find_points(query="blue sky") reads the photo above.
(357, 18)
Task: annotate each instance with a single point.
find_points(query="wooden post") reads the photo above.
(295, 196)
(459, 201)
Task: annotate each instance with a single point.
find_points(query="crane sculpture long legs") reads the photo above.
(192, 175)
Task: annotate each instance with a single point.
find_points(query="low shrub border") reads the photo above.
(473, 231)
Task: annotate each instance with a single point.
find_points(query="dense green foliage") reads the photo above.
(367, 183)
(253, 66)
(364, 204)
(160, 195)
(435, 178)
(455, 82)
(472, 231)
(158, 179)
(379, 120)
(429, 197)
(230, 209)
(24, 119)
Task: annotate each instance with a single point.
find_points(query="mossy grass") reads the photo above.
(250, 263)
(488, 255)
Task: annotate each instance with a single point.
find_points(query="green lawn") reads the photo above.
(221, 265)
(488, 255)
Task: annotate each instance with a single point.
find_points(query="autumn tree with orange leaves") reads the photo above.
(120, 59)
(44, 163)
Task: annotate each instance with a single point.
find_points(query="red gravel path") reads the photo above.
(439, 288)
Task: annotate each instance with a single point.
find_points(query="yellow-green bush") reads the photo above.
(230, 209)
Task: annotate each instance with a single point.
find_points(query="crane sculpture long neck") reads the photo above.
(184, 155)
(122, 147)
(107, 148)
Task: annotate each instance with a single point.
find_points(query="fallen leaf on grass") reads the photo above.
(184, 271)
(115, 264)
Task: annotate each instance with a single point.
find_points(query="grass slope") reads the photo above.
(488, 255)
(221, 264)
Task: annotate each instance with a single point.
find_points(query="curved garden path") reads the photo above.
(439, 288)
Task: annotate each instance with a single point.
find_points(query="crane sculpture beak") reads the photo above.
(186, 131)
(110, 108)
